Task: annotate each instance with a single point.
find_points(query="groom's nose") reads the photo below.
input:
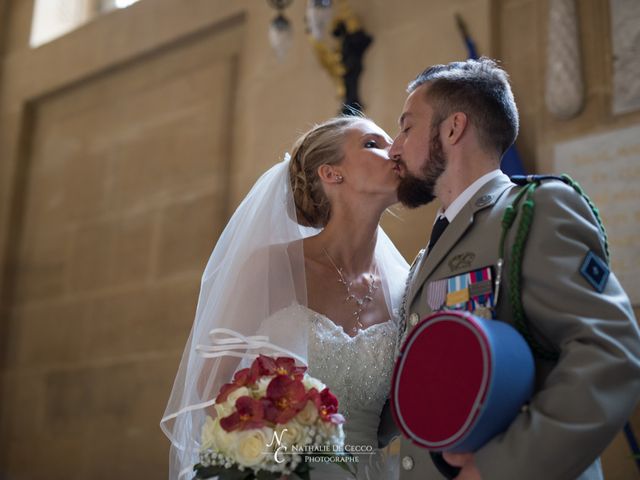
(396, 150)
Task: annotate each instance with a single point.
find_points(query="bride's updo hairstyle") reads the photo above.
(322, 145)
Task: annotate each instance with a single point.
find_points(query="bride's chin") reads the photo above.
(380, 200)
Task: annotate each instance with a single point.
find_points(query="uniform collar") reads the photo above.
(464, 198)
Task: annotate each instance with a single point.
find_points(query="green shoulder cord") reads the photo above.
(572, 183)
(530, 183)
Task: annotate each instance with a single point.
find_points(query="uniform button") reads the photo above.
(413, 319)
(407, 462)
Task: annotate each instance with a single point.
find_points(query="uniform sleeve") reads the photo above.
(592, 390)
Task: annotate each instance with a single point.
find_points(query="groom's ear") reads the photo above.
(328, 174)
(455, 126)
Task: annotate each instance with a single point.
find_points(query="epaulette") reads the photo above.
(526, 179)
(530, 182)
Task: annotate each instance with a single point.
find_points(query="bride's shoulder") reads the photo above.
(289, 320)
(279, 250)
(276, 257)
(295, 311)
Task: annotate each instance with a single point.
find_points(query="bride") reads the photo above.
(303, 269)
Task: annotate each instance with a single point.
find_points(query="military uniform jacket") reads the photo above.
(582, 400)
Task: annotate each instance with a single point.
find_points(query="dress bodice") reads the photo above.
(356, 369)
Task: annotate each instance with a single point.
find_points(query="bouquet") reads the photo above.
(269, 420)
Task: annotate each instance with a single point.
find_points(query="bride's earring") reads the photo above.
(339, 178)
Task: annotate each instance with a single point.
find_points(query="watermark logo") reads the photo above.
(277, 455)
(316, 453)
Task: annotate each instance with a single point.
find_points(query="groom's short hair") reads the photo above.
(480, 89)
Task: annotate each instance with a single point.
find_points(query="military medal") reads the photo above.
(471, 291)
(481, 291)
(436, 294)
(458, 292)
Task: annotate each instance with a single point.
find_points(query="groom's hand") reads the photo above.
(466, 463)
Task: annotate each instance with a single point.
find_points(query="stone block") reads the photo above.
(92, 257)
(144, 454)
(8, 330)
(86, 184)
(110, 319)
(136, 177)
(111, 405)
(42, 265)
(188, 233)
(132, 396)
(45, 201)
(132, 248)
(40, 457)
(166, 327)
(22, 408)
(141, 321)
(49, 334)
(108, 414)
(72, 401)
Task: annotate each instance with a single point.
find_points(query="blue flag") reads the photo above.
(511, 162)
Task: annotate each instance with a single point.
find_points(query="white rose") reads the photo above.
(308, 415)
(250, 446)
(236, 394)
(223, 440)
(292, 432)
(330, 430)
(208, 436)
(223, 409)
(261, 386)
(310, 382)
(227, 407)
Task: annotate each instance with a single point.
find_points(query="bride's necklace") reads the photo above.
(362, 302)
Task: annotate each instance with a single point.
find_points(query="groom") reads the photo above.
(457, 122)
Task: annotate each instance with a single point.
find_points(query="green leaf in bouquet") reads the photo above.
(303, 470)
(265, 475)
(232, 473)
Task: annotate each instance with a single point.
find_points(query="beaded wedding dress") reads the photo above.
(358, 371)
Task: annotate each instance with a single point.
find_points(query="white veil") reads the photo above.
(256, 269)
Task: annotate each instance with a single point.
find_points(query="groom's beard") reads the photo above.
(414, 191)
